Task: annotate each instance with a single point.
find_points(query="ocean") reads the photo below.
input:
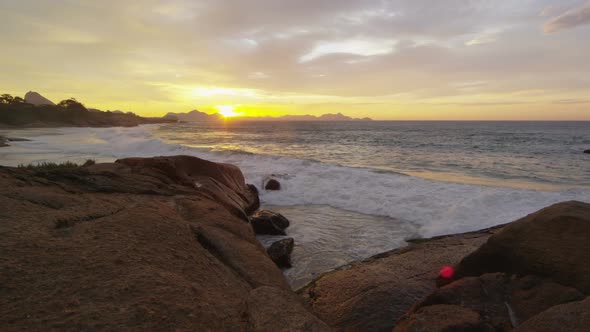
(355, 189)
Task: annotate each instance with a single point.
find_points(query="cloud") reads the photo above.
(168, 50)
(570, 19)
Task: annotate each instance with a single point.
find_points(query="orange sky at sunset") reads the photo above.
(398, 60)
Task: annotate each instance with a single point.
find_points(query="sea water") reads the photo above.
(354, 189)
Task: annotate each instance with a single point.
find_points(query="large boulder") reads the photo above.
(265, 222)
(280, 252)
(152, 244)
(552, 242)
(587, 151)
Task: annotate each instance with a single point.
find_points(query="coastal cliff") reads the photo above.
(167, 243)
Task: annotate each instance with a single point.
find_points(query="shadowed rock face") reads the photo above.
(141, 244)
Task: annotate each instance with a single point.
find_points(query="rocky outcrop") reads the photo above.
(3, 141)
(525, 275)
(140, 244)
(372, 295)
(280, 252)
(272, 184)
(266, 222)
(587, 151)
(552, 242)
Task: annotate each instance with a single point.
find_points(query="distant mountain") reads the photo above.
(324, 117)
(36, 99)
(196, 116)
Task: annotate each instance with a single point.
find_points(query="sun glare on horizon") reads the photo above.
(227, 111)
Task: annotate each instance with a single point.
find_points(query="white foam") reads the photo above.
(437, 207)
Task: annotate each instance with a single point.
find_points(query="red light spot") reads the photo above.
(447, 272)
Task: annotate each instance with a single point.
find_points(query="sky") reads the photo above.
(389, 60)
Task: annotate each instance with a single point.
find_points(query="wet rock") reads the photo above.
(3, 141)
(280, 252)
(272, 184)
(552, 242)
(266, 222)
(587, 151)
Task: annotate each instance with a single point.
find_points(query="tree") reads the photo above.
(71, 105)
(6, 99)
(17, 100)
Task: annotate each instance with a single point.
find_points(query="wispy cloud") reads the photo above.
(570, 19)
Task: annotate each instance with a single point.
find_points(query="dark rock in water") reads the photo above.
(587, 151)
(503, 301)
(280, 252)
(570, 317)
(267, 222)
(272, 184)
(3, 141)
(552, 242)
(17, 139)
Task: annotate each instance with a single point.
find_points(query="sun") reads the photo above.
(227, 111)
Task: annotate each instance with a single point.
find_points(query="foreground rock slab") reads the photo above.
(372, 295)
(141, 244)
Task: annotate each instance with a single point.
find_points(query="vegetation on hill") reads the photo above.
(16, 112)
